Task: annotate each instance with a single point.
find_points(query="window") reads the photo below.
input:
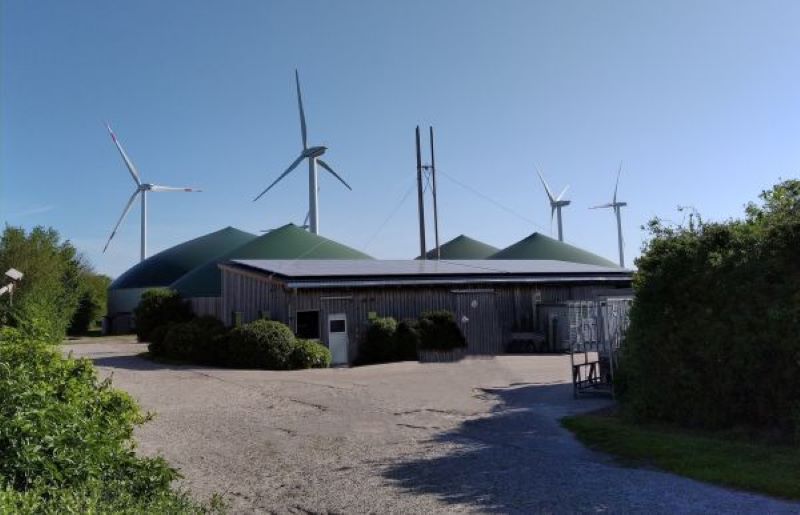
(338, 326)
(308, 324)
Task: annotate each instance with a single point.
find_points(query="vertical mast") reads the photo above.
(617, 209)
(420, 201)
(313, 196)
(143, 251)
(435, 207)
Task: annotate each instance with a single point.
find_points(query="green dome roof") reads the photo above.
(539, 246)
(463, 247)
(169, 265)
(287, 242)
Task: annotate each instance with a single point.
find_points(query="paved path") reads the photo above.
(477, 436)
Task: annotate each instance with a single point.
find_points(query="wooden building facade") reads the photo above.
(334, 302)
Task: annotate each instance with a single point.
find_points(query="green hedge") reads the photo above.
(438, 330)
(66, 439)
(714, 340)
(159, 307)
(262, 344)
(310, 354)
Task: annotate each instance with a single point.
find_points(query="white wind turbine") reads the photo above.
(142, 188)
(617, 207)
(313, 154)
(556, 203)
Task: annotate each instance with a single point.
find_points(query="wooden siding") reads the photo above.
(488, 314)
(207, 306)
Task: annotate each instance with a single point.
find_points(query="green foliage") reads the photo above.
(438, 331)
(157, 336)
(92, 302)
(713, 341)
(310, 354)
(378, 344)
(66, 439)
(407, 340)
(159, 306)
(197, 340)
(49, 294)
(264, 344)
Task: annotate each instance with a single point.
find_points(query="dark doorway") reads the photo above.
(308, 324)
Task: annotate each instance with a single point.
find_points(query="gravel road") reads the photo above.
(477, 436)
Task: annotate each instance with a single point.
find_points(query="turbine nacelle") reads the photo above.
(313, 152)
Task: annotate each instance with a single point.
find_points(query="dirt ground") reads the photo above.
(477, 436)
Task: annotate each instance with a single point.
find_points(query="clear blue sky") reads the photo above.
(699, 99)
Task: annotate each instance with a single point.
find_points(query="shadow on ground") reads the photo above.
(519, 459)
(137, 362)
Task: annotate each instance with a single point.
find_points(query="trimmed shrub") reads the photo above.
(159, 306)
(378, 345)
(262, 344)
(407, 340)
(438, 330)
(310, 354)
(157, 335)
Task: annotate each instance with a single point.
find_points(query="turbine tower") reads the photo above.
(142, 188)
(617, 207)
(313, 154)
(556, 203)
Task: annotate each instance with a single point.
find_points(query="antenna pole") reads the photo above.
(420, 201)
(435, 207)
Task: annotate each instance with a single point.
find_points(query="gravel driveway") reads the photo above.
(477, 436)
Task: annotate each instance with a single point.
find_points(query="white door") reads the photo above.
(337, 338)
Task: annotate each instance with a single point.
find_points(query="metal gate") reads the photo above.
(597, 330)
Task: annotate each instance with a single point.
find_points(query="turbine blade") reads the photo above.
(619, 171)
(325, 166)
(131, 168)
(305, 222)
(602, 206)
(561, 195)
(284, 174)
(156, 187)
(544, 183)
(121, 218)
(302, 113)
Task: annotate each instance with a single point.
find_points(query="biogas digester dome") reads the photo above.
(164, 268)
(287, 242)
(462, 247)
(539, 246)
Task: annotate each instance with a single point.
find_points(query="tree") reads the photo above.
(50, 292)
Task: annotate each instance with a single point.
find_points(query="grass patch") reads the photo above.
(753, 466)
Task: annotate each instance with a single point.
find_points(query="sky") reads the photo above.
(697, 99)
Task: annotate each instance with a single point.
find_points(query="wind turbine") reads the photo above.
(617, 207)
(313, 154)
(555, 204)
(142, 188)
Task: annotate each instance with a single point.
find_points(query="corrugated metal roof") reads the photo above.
(169, 265)
(320, 273)
(287, 242)
(539, 246)
(463, 247)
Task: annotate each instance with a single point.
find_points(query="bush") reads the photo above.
(378, 345)
(66, 439)
(196, 340)
(310, 354)
(159, 306)
(438, 331)
(713, 338)
(262, 344)
(157, 336)
(407, 340)
(92, 303)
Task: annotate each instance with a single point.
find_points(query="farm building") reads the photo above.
(539, 246)
(163, 269)
(492, 300)
(203, 285)
(462, 247)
